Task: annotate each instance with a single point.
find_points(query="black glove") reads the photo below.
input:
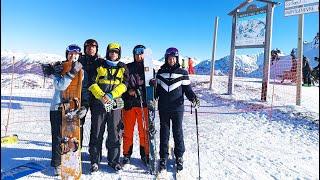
(153, 82)
(196, 103)
(76, 67)
(58, 68)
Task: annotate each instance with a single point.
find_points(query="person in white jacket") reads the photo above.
(60, 82)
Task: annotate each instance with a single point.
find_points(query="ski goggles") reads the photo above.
(138, 51)
(114, 50)
(90, 44)
(73, 48)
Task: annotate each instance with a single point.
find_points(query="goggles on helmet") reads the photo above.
(138, 51)
(90, 44)
(74, 48)
(172, 52)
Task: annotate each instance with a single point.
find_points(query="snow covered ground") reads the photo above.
(239, 136)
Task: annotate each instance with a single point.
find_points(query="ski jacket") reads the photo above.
(172, 84)
(90, 65)
(60, 84)
(111, 78)
(137, 82)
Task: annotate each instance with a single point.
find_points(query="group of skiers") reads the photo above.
(107, 79)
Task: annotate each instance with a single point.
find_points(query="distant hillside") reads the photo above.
(252, 65)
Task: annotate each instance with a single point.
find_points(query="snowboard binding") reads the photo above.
(69, 144)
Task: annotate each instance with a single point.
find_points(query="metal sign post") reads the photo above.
(300, 7)
(213, 51)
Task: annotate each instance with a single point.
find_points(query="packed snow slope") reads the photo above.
(238, 138)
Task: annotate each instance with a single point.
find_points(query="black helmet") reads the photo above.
(91, 42)
(138, 47)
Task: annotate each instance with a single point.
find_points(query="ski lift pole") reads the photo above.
(196, 112)
(10, 97)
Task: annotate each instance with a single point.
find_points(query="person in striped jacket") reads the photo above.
(172, 83)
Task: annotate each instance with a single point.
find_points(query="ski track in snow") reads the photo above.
(235, 143)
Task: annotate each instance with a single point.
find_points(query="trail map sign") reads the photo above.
(251, 28)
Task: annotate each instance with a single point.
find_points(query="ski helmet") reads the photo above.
(115, 47)
(73, 48)
(173, 52)
(90, 42)
(138, 49)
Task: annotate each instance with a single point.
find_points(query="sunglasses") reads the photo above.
(114, 50)
(74, 48)
(138, 51)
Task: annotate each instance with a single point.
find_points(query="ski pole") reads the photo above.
(196, 112)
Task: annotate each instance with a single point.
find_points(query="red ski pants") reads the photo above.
(130, 117)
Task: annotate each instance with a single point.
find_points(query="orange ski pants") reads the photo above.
(130, 117)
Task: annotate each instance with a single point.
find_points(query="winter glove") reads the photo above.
(196, 103)
(153, 82)
(153, 104)
(106, 99)
(132, 92)
(118, 103)
(76, 67)
(57, 68)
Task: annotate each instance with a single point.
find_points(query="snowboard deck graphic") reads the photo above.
(70, 130)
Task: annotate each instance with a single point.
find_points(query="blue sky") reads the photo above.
(49, 26)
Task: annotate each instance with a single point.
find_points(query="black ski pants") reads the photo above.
(100, 118)
(55, 121)
(176, 117)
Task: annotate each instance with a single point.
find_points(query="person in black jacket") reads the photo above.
(90, 62)
(172, 82)
(134, 111)
(306, 72)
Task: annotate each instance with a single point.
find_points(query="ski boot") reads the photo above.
(179, 163)
(162, 164)
(145, 159)
(57, 170)
(115, 166)
(126, 160)
(94, 168)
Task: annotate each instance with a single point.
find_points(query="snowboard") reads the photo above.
(70, 129)
(151, 131)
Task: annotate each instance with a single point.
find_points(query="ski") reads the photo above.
(151, 131)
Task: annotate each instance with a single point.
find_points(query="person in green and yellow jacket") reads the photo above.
(110, 84)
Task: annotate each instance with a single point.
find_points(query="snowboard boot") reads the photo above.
(179, 163)
(126, 160)
(162, 164)
(94, 168)
(57, 170)
(115, 166)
